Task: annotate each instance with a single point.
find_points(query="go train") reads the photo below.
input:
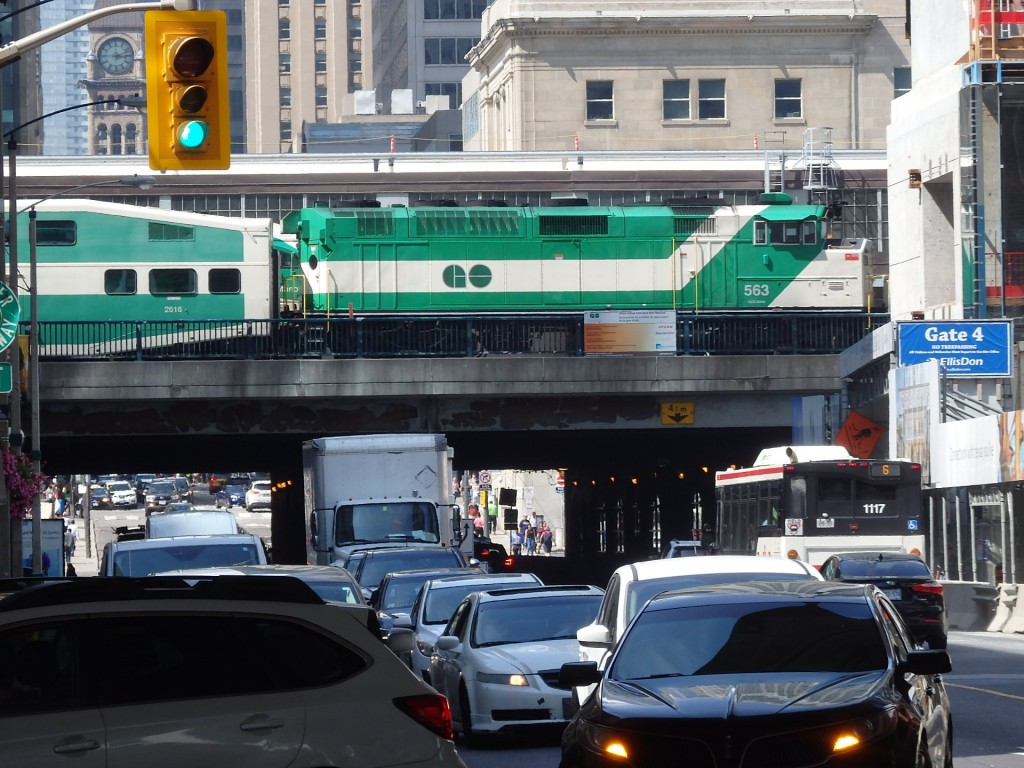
(106, 261)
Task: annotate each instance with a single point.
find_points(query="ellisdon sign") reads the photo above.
(962, 348)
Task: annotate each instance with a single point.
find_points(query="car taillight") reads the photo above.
(933, 589)
(430, 710)
(509, 562)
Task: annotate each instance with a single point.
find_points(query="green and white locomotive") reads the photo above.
(693, 257)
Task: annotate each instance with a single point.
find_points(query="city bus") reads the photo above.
(808, 502)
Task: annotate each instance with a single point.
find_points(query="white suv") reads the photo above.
(122, 494)
(258, 496)
(131, 672)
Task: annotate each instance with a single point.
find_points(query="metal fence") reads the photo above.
(378, 336)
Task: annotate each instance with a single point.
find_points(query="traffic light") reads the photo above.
(187, 90)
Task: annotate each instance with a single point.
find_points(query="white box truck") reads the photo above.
(378, 490)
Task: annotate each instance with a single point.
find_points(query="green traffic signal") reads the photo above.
(192, 134)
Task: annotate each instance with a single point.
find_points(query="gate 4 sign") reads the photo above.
(963, 348)
(10, 314)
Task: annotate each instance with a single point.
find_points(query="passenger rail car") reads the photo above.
(691, 257)
(99, 261)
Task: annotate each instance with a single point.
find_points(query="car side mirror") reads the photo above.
(447, 642)
(403, 621)
(594, 635)
(401, 640)
(926, 663)
(577, 673)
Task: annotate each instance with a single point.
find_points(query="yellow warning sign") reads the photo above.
(677, 413)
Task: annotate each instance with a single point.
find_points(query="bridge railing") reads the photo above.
(380, 336)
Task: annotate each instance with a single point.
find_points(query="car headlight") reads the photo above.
(603, 741)
(425, 648)
(513, 679)
(853, 733)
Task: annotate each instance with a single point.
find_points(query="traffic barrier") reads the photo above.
(1004, 607)
(969, 604)
(1015, 624)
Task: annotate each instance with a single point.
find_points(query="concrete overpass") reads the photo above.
(588, 414)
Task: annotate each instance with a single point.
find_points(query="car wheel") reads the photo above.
(466, 717)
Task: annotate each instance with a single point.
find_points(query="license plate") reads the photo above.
(893, 594)
(825, 522)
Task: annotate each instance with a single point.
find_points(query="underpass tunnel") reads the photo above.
(627, 492)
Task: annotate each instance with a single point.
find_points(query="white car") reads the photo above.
(499, 656)
(258, 495)
(308, 684)
(121, 494)
(631, 586)
(436, 602)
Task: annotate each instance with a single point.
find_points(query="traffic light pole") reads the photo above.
(16, 48)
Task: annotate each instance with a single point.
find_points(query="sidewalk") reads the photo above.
(85, 566)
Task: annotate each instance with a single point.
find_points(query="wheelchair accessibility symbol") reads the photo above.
(911, 525)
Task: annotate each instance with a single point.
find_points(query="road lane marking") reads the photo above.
(985, 690)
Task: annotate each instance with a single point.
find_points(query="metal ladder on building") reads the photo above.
(821, 174)
(774, 161)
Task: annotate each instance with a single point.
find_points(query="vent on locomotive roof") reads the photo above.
(465, 222)
(686, 226)
(375, 223)
(493, 203)
(567, 224)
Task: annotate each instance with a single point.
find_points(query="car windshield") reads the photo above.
(119, 486)
(161, 488)
(746, 638)
(393, 521)
(142, 562)
(639, 592)
(440, 603)
(261, 487)
(376, 568)
(400, 594)
(234, 489)
(538, 618)
(884, 569)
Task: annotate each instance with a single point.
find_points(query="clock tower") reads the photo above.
(116, 70)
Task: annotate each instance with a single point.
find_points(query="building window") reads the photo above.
(901, 81)
(284, 28)
(284, 63)
(599, 100)
(453, 9)
(130, 139)
(447, 50)
(675, 99)
(711, 99)
(285, 97)
(319, 29)
(320, 62)
(286, 130)
(788, 99)
(115, 139)
(321, 96)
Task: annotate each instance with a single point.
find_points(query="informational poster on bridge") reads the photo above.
(962, 348)
(630, 332)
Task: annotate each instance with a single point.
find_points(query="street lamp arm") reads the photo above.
(17, 128)
(142, 182)
(15, 48)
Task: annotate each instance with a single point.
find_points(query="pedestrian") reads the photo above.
(546, 539)
(517, 543)
(531, 540)
(69, 542)
(523, 525)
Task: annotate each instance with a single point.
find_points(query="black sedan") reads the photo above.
(230, 496)
(799, 673)
(906, 580)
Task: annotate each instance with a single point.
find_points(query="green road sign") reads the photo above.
(10, 314)
(6, 380)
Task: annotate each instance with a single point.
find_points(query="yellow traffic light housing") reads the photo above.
(187, 90)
